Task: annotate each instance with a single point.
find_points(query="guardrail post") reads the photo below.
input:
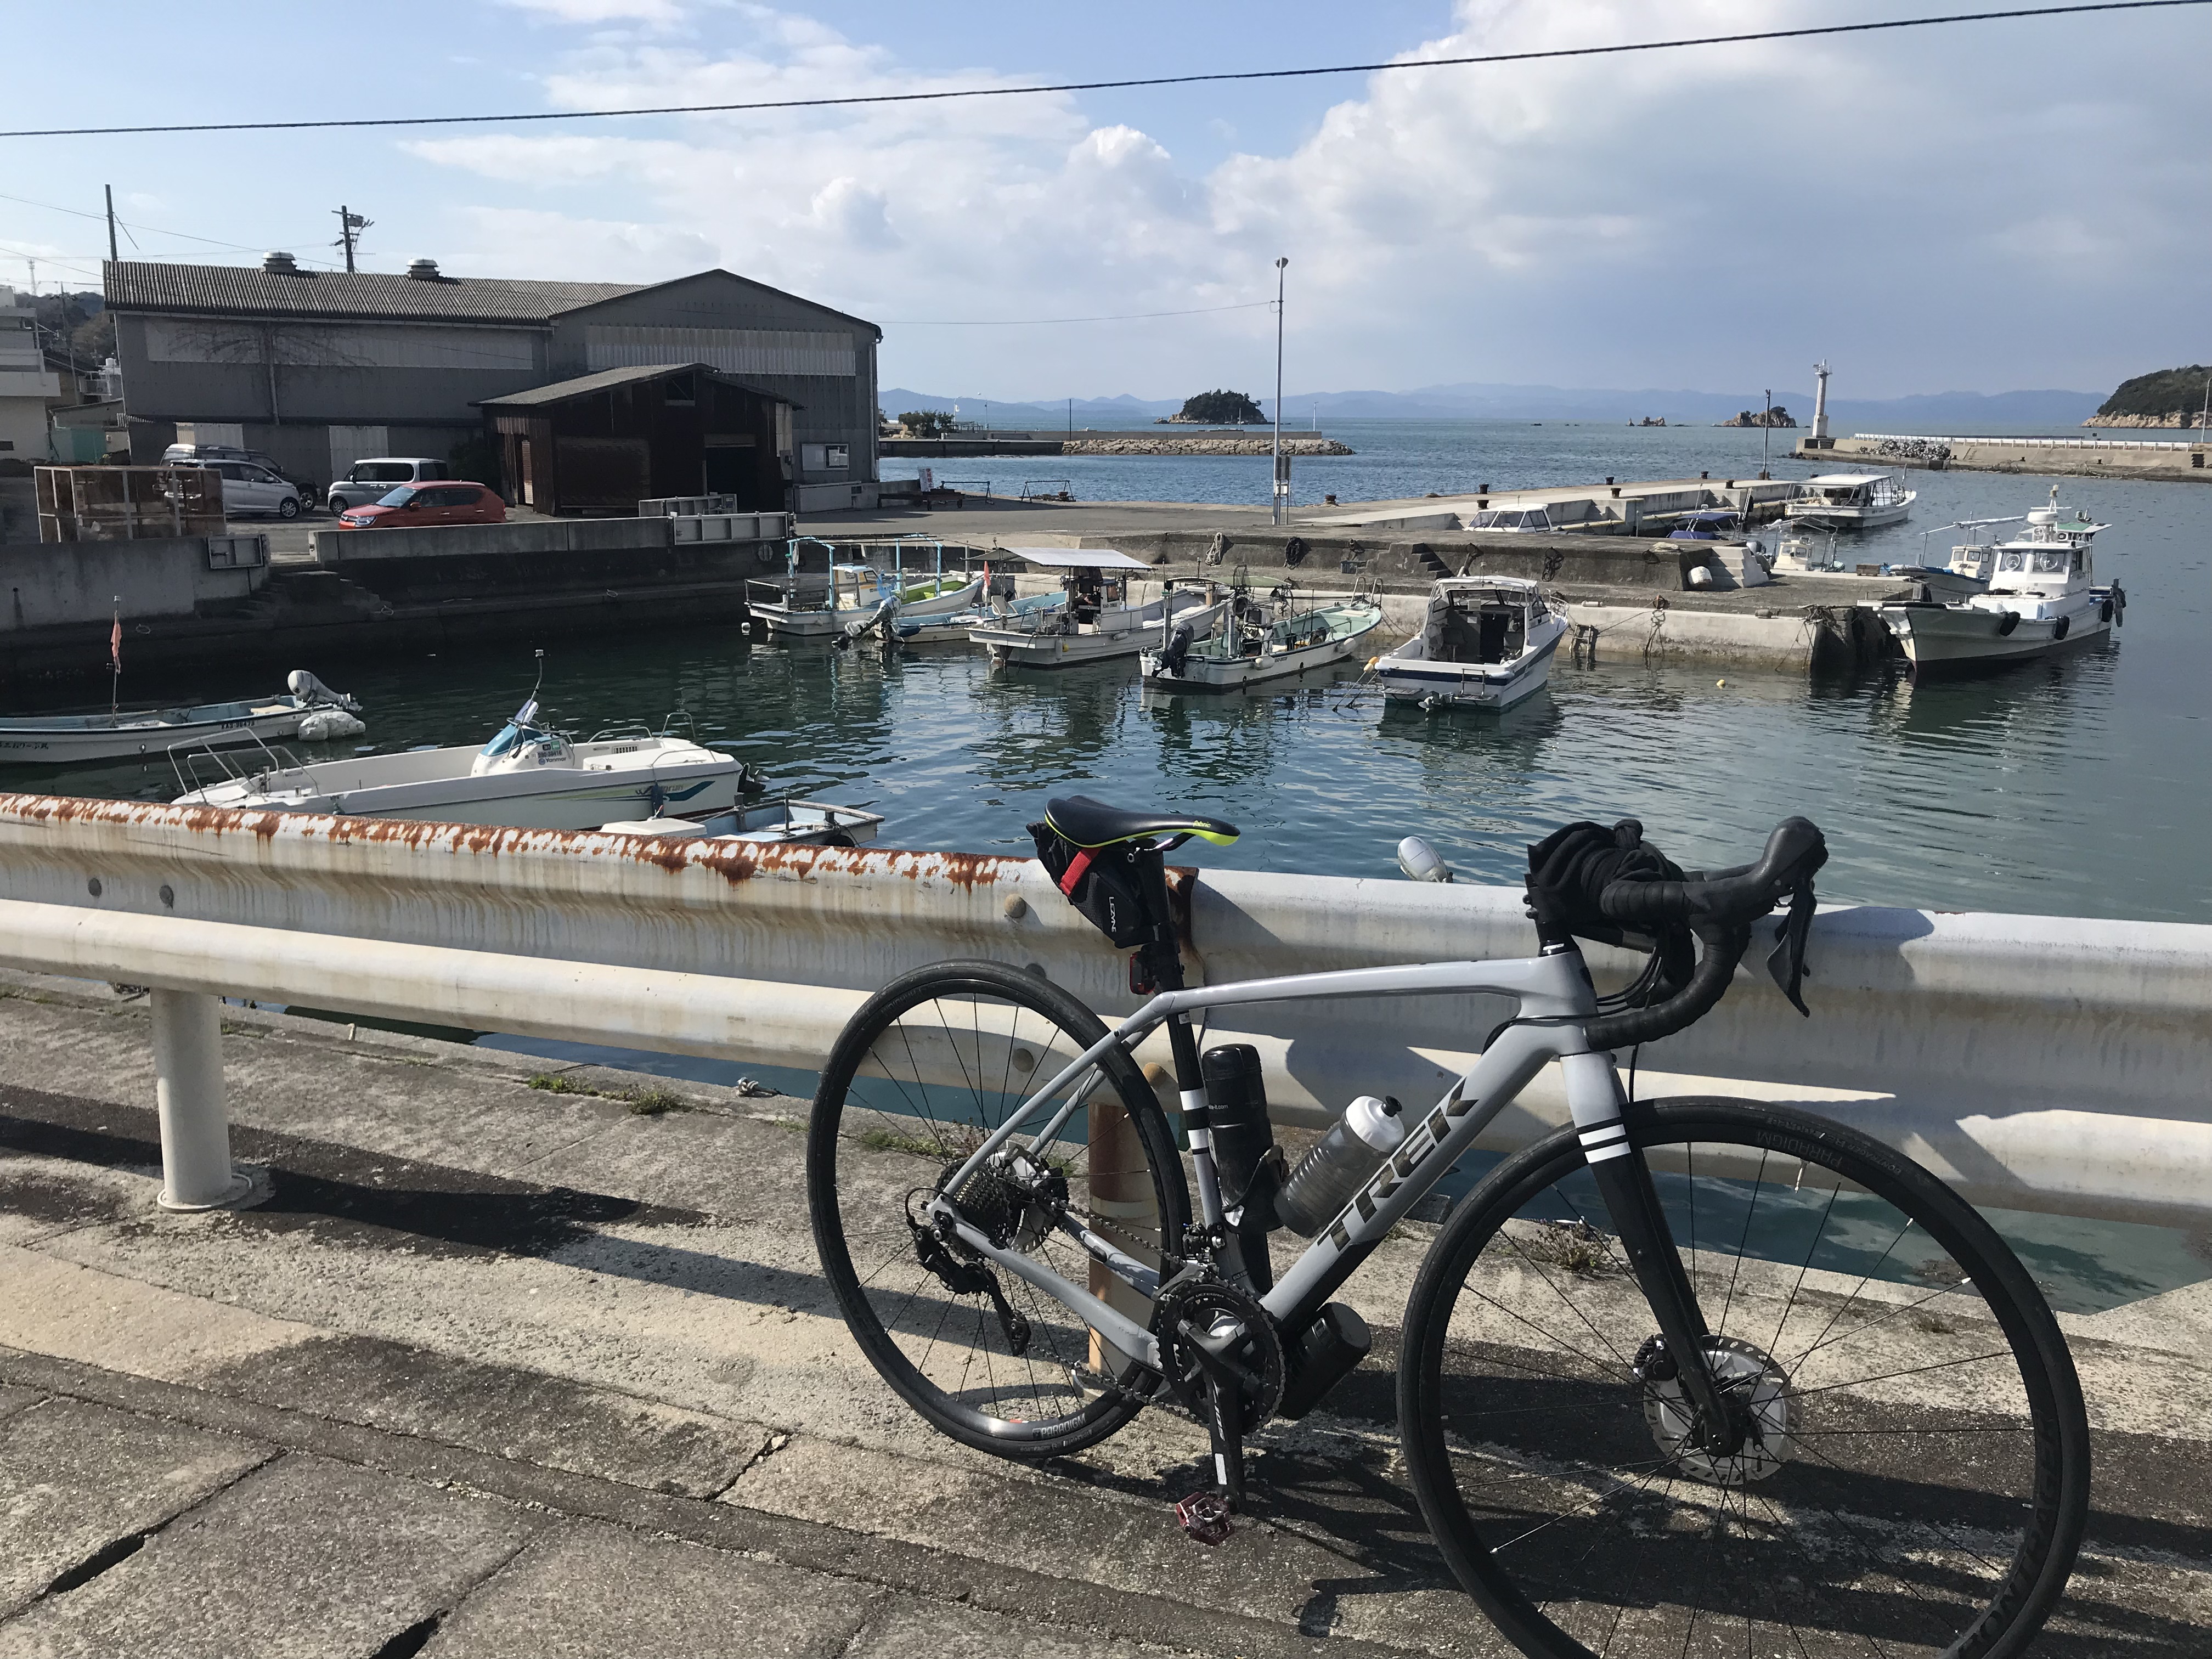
(196, 1167)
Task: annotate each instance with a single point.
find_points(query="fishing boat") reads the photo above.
(775, 822)
(529, 777)
(1485, 642)
(1258, 640)
(1851, 500)
(2040, 593)
(310, 711)
(954, 627)
(1103, 617)
(859, 595)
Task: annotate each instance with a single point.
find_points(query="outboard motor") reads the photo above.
(1177, 650)
(309, 689)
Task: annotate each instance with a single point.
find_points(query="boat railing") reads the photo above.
(189, 756)
(635, 732)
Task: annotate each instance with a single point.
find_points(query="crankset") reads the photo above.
(1221, 1356)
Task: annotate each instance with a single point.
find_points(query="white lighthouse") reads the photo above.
(1818, 440)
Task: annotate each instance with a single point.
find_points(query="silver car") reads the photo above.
(370, 481)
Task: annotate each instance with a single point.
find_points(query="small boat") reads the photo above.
(1530, 520)
(1851, 500)
(1103, 617)
(856, 596)
(954, 627)
(777, 823)
(310, 711)
(1258, 640)
(529, 777)
(1486, 642)
(2039, 592)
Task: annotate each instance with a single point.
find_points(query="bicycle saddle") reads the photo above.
(1088, 822)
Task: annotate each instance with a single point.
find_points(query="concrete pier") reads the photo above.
(2098, 457)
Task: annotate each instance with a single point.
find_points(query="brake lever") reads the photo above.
(1785, 964)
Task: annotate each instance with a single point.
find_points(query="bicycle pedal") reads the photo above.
(1206, 1517)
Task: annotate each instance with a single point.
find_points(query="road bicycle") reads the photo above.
(1686, 1375)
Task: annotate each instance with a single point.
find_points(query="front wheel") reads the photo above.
(289, 508)
(1908, 1471)
(927, 1068)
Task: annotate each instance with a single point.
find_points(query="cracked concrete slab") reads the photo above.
(306, 1559)
(76, 1479)
(589, 1591)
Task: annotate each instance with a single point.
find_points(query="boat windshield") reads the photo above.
(2012, 562)
(2052, 562)
(511, 737)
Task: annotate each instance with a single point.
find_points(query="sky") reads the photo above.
(1984, 207)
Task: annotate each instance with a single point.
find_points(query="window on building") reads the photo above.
(681, 390)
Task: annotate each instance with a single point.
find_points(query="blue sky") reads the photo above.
(1983, 208)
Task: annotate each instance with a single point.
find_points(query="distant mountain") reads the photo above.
(1473, 400)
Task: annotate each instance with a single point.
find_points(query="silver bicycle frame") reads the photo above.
(1555, 999)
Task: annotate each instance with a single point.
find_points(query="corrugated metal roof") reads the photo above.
(583, 384)
(134, 285)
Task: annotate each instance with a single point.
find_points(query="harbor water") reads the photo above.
(2077, 786)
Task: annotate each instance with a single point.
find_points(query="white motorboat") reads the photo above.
(1260, 641)
(529, 777)
(2040, 593)
(310, 711)
(775, 822)
(1486, 642)
(859, 594)
(1851, 500)
(1103, 617)
(954, 627)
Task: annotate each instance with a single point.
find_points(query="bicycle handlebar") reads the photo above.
(1719, 909)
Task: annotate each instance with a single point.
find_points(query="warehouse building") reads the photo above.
(319, 368)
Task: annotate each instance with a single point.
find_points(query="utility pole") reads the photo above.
(113, 256)
(350, 225)
(1765, 434)
(1282, 484)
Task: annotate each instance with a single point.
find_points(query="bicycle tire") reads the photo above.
(867, 1143)
(1866, 1518)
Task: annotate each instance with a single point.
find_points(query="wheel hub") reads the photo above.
(1762, 1409)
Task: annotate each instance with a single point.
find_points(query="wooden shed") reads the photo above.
(603, 442)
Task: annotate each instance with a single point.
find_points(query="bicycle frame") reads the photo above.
(1555, 997)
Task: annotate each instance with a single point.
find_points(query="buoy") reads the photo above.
(1720, 682)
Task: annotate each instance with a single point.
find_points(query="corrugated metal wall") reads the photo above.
(732, 351)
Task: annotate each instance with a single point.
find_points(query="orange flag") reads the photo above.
(115, 643)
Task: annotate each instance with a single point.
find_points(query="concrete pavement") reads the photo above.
(504, 1368)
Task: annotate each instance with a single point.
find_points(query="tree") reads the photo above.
(1222, 408)
(927, 422)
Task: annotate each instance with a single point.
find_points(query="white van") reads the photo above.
(367, 483)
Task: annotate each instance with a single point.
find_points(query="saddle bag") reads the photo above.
(1122, 889)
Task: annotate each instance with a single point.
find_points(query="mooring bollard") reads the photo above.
(196, 1167)
(1122, 1199)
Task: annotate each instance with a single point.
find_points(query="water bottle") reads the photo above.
(1327, 1176)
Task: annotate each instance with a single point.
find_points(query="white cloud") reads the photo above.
(1690, 216)
(662, 12)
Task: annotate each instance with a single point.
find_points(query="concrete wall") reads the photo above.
(539, 554)
(47, 584)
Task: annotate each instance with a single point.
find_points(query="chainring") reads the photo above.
(1232, 1326)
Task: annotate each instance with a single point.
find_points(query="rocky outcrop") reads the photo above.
(2173, 418)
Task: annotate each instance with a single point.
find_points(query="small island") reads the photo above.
(1775, 416)
(1216, 409)
(2171, 397)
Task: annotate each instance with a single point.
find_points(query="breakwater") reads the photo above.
(2092, 458)
(1111, 443)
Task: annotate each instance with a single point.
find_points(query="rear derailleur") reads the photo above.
(964, 1272)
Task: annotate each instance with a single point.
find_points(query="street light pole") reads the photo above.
(1280, 492)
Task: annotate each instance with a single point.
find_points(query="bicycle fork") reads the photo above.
(1631, 1201)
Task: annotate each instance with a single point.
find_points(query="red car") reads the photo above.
(413, 505)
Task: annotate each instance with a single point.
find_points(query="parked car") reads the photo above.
(208, 454)
(247, 489)
(414, 506)
(370, 481)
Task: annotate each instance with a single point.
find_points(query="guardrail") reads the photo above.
(2040, 1064)
(2033, 443)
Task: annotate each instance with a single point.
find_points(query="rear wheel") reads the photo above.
(925, 1071)
(1912, 1470)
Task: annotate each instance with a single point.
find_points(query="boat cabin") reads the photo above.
(1095, 580)
(1480, 620)
(1512, 517)
(1704, 527)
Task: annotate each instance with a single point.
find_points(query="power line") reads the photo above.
(1038, 322)
(151, 230)
(1111, 86)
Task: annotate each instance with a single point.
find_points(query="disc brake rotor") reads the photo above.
(1755, 1387)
